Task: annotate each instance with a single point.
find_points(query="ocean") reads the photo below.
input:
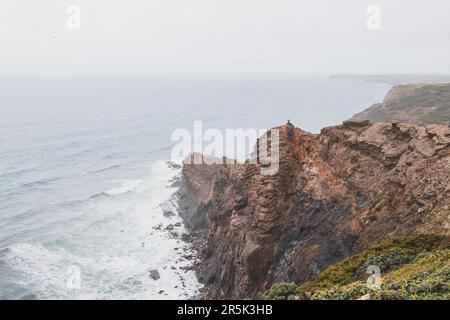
(84, 177)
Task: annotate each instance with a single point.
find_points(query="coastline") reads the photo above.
(332, 198)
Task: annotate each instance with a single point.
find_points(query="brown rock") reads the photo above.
(425, 147)
(334, 194)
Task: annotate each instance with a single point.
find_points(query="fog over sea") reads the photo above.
(83, 173)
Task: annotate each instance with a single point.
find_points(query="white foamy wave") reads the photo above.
(120, 238)
(128, 185)
(45, 270)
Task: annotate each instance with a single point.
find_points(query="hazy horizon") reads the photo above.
(201, 38)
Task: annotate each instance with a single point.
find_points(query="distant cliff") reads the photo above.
(335, 194)
(395, 79)
(419, 104)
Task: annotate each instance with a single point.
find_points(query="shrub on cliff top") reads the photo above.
(388, 255)
(428, 277)
(387, 262)
(425, 278)
(282, 291)
(413, 267)
(349, 292)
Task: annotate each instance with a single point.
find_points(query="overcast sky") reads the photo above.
(215, 37)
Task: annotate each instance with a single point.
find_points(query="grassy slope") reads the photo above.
(413, 267)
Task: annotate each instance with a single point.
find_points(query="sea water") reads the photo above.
(84, 176)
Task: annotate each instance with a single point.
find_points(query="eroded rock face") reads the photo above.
(334, 194)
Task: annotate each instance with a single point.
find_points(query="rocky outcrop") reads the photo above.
(334, 194)
(419, 104)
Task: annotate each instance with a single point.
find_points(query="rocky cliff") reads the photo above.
(419, 104)
(335, 193)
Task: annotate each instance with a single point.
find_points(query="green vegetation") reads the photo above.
(413, 267)
(427, 278)
(282, 291)
(388, 255)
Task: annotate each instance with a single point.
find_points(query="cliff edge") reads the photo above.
(335, 193)
(418, 104)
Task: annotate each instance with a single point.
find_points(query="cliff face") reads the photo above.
(418, 104)
(334, 194)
